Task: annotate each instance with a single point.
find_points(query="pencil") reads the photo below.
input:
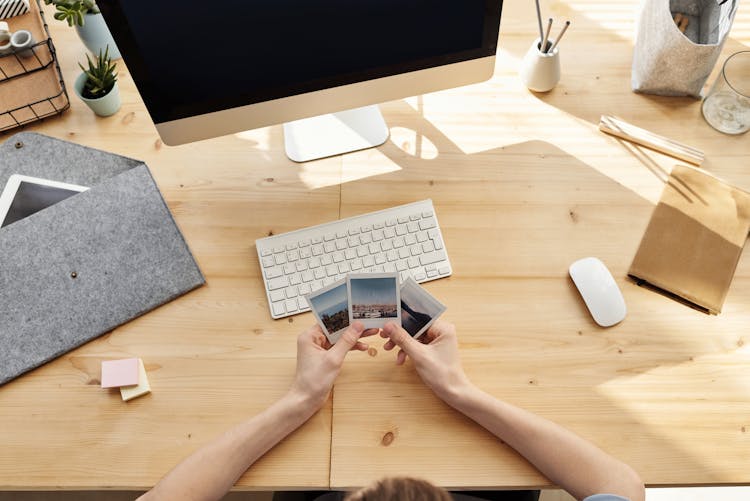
(557, 41)
(539, 20)
(543, 47)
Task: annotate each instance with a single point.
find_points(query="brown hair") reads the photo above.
(400, 489)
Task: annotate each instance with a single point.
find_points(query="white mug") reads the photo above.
(5, 46)
(22, 40)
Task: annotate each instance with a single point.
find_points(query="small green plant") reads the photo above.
(100, 76)
(73, 11)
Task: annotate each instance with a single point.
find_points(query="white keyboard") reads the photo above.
(406, 239)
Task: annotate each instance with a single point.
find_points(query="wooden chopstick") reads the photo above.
(624, 130)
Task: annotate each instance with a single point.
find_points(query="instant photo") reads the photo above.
(374, 299)
(24, 196)
(419, 309)
(330, 305)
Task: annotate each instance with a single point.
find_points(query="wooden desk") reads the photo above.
(523, 184)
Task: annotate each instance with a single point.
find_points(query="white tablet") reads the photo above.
(25, 195)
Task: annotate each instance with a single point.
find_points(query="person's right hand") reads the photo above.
(435, 356)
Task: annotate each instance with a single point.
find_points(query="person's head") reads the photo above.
(400, 489)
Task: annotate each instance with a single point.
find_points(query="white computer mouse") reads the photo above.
(599, 290)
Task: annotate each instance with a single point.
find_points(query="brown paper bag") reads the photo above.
(694, 240)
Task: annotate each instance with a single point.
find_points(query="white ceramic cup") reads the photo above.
(540, 71)
(22, 41)
(5, 46)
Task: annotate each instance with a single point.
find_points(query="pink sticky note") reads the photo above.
(116, 373)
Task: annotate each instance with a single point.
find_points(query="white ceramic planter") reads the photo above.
(96, 36)
(540, 71)
(104, 106)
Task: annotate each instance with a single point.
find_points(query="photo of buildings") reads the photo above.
(374, 298)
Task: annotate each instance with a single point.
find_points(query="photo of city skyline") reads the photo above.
(332, 307)
(374, 298)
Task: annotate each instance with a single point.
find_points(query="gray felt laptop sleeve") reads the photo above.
(88, 264)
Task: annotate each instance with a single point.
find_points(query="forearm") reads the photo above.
(566, 459)
(212, 470)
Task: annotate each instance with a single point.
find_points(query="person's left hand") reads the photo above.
(319, 362)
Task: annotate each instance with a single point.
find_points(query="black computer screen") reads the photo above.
(189, 57)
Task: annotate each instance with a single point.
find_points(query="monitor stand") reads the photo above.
(334, 134)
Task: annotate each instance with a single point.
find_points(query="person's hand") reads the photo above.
(435, 356)
(319, 362)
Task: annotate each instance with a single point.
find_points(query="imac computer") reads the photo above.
(320, 67)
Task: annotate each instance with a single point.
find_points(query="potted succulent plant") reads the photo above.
(89, 23)
(97, 85)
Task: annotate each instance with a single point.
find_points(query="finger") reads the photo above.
(370, 332)
(347, 341)
(401, 338)
(389, 345)
(360, 346)
(401, 357)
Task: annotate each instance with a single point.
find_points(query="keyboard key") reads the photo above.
(392, 255)
(316, 240)
(280, 258)
(405, 276)
(391, 222)
(304, 289)
(377, 235)
(291, 305)
(366, 238)
(412, 227)
(302, 303)
(268, 261)
(430, 267)
(307, 276)
(398, 242)
(291, 246)
(338, 257)
(353, 241)
(389, 267)
(329, 236)
(362, 251)
(368, 261)
(344, 267)
(317, 250)
(378, 226)
(415, 217)
(444, 270)
(428, 246)
(353, 231)
(304, 243)
(292, 292)
(438, 243)
(416, 250)
(266, 252)
(278, 283)
(332, 270)
(410, 239)
(389, 232)
(422, 236)
(413, 262)
(314, 262)
(366, 228)
(295, 279)
(374, 248)
(276, 250)
(319, 273)
(316, 285)
(401, 229)
(288, 269)
(274, 272)
(277, 295)
(341, 244)
(328, 281)
(326, 259)
(428, 223)
(386, 245)
(356, 264)
(341, 234)
(350, 254)
(427, 214)
(301, 265)
(403, 253)
(380, 259)
(435, 257)
(420, 276)
(304, 253)
(403, 220)
(279, 308)
(401, 265)
(432, 274)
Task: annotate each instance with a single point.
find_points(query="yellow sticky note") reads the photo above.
(131, 392)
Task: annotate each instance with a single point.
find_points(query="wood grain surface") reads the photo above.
(523, 184)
